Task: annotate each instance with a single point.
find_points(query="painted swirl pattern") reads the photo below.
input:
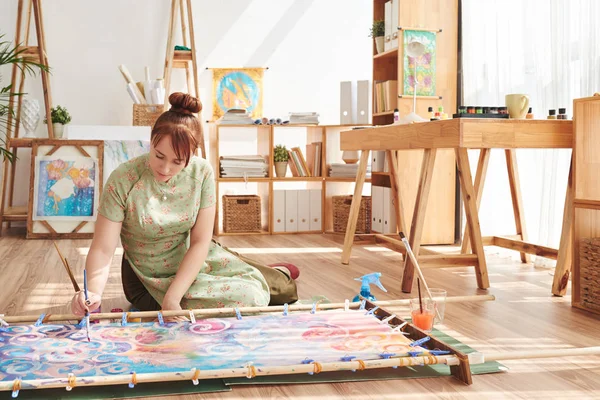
(52, 351)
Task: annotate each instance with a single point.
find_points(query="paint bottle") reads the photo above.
(552, 114)
(529, 114)
(365, 288)
(562, 113)
(432, 115)
(396, 116)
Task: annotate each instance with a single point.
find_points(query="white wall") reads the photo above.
(308, 45)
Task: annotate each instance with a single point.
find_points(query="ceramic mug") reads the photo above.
(517, 105)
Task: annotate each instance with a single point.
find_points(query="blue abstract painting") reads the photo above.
(238, 88)
(65, 188)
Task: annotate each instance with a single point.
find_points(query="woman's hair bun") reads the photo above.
(182, 102)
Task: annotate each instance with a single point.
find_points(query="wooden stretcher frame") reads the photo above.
(458, 361)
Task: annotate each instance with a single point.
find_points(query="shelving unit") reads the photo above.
(585, 207)
(243, 139)
(440, 222)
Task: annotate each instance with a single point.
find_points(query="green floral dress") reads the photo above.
(156, 221)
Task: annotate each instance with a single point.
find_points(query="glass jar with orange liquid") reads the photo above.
(422, 314)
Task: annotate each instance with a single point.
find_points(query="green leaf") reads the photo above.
(13, 55)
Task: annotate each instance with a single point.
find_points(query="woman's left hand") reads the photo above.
(172, 306)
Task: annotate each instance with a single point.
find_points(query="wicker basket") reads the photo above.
(146, 114)
(589, 273)
(241, 214)
(341, 210)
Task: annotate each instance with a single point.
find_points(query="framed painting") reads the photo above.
(425, 64)
(240, 88)
(66, 179)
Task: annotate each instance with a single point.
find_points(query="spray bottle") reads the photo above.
(365, 289)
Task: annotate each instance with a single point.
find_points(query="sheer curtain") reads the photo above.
(550, 50)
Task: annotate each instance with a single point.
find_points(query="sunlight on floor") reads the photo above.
(523, 394)
(50, 294)
(546, 299)
(543, 273)
(552, 365)
(518, 285)
(285, 250)
(379, 249)
(472, 274)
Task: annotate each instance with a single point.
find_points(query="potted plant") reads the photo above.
(60, 117)
(281, 157)
(12, 55)
(378, 32)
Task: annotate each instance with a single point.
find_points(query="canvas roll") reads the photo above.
(132, 93)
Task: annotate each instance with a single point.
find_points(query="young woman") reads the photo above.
(162, 205)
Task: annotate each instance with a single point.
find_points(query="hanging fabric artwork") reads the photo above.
(237, 88)
(426, 64)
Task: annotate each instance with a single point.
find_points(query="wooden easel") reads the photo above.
(185, 59)
(39, 55)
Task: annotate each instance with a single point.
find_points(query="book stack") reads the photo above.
(313, 157)
(385, 96)
(243, 167)
(346, 170)
(304, 118)
(235, 116)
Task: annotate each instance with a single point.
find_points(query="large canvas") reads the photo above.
(65, 188)
(53, 351)
(240, 88)
(117, 152)
(425, 64)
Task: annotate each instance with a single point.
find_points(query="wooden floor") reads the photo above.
(524, 315)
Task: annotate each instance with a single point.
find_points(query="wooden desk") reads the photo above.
(460, 135)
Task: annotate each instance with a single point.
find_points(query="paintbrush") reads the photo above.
(68, 268)
(420, 298)
(410, 253)
(87, 313)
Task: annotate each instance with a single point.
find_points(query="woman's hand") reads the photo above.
(171, 305)
(79, 305)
